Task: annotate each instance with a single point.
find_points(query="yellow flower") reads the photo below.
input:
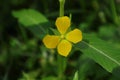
(63, 42)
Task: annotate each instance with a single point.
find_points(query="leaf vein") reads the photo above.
(101, 52)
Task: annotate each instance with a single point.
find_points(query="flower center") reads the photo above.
(62, 37)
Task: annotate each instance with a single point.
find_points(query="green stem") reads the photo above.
(114, 13)
(61, 59)
(62, 3)
(61, 66)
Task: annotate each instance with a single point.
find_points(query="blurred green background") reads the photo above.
(23, 55)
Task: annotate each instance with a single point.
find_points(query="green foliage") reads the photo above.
(24, 57)
(30, 76)
(50, 78)
(107, 32)
(76, 76)
(88, 68)
(103, 53)
(29, 17)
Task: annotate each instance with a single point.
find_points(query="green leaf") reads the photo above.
(76, 76)
(86, 67)
(38, 24)
(107, 55)
(39, 31)
(29, 17)
(32, 75)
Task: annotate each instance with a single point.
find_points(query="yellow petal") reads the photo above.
(74, 36)
(63, 23)
(64, 47)
(51, 41)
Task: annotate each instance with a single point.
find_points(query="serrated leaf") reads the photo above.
(29, 17)
(107, 55)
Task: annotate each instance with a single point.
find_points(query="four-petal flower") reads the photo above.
(63, 42)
